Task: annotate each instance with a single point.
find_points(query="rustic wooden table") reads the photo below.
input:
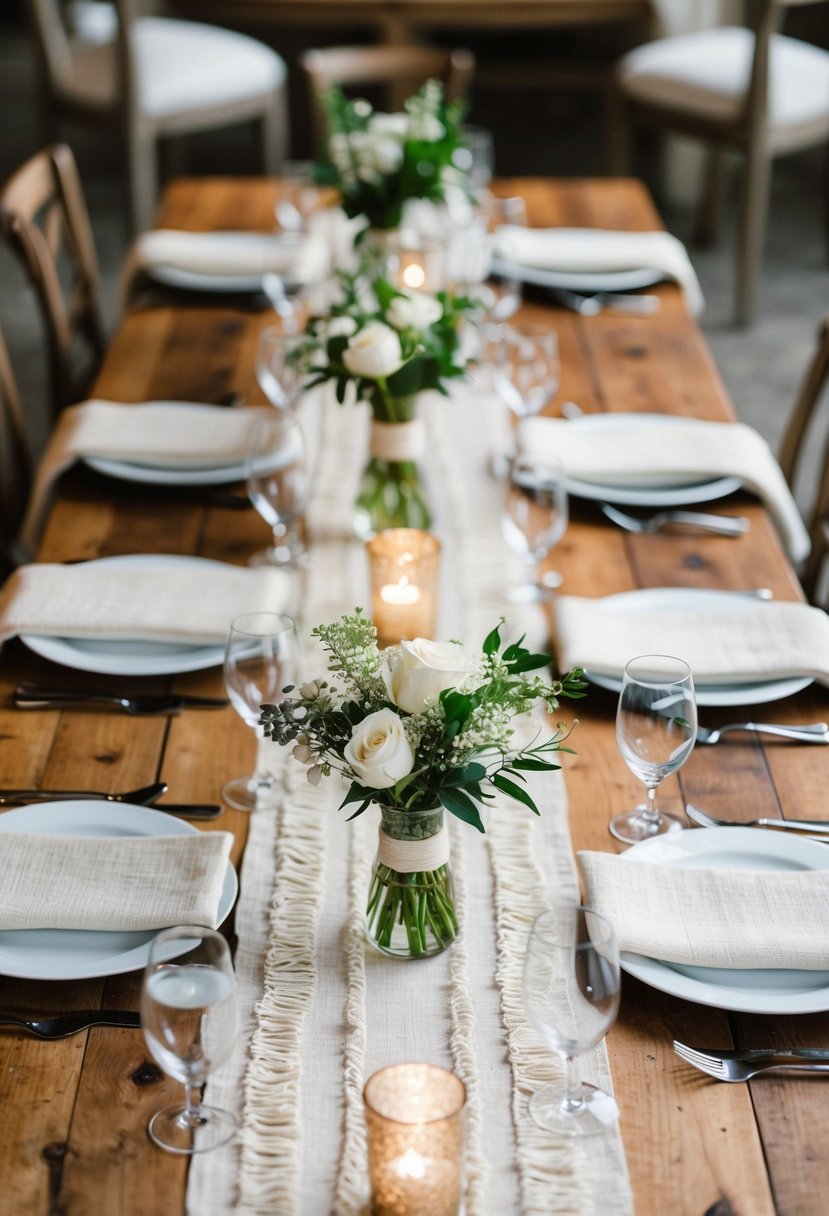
(75, 1112)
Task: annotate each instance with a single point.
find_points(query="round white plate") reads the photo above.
(124, 658)
(74, 954)
(647, 496)
(153, 475)
(572, 280)
(749, 991)
(680, 598)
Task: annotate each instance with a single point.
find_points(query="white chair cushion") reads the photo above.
(182, 66)
(708, 74)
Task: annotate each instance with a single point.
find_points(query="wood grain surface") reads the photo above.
(75, 1112)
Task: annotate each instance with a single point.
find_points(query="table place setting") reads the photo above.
(665, 460)
(593, 260)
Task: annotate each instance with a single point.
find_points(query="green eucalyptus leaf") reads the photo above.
(509, 787)
(462, 807)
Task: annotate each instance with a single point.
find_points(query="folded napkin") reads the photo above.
(232, 254)
(187, 603)
(651, 450)
(752, 641)
(597, 251)
(712, 918)
(116, 883)
(164, 434)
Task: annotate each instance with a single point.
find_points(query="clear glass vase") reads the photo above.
(392, 492)
(411, 903)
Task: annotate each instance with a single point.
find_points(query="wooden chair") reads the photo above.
(753, 91)
(15, 464)
(793, 446)
(155, 77)
(402, 69)
(44, 219)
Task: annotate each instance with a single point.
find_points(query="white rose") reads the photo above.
(417, 672)
(389, 125)
(378, 751)
(388, 155)
(415, 310)
(338, 327)
(374, 352)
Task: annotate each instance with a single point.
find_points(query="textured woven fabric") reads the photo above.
(755, 641)
(190, 602)
(712, 918)
(658, 450)
(112, 883)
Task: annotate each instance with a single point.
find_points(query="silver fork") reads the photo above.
(743, 1065)
(784, 825)
(723, 525)
(815, 732)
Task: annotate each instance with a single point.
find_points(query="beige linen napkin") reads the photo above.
(712, 918)
(117, 883)
(164, 434)
(220, 254)
(659, 449)
(598, 251)
(752, 641)
(186, 603)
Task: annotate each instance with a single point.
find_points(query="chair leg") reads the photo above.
(142, 179)
(710, 202)
(752, 232)
(274, 132)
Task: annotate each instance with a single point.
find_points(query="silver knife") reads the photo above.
(60, 1026)
(36, 696)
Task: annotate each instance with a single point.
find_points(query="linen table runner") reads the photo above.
(332, 1012)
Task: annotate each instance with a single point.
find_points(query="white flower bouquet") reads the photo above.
(379, 161)
(420, 728)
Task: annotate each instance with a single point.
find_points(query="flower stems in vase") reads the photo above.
(411, 915)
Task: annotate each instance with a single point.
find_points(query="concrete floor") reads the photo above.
(762, 367)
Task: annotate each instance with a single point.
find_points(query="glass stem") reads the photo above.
(280, 531)
(192, 1104)
(650, 811)
(572, 1100)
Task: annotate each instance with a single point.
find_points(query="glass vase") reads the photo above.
(411, 904)
(392, 493)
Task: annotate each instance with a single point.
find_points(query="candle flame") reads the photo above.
(411, 1165)
(414, 276)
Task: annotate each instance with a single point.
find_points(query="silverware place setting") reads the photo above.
(147, 795)
(722, 525)
(806, 826)
(592, 304)
(814, 732)
(61, 1026)
(743, 1065)
(36, 696)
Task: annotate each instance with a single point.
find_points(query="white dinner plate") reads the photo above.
(74, 954)
(153, 475)
(575, 280)
(127, 658)
(679, 599)
(672, 495)
(750, 990)
(190, 280)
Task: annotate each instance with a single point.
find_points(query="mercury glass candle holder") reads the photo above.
(415, 1122)
(416, 262)
(404, 565)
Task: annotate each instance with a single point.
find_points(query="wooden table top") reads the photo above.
(75, 1112)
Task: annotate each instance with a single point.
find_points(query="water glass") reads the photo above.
(280, 367)
(536, 514)
(656, 728)
(260, 660)
(571, 996)
(190, 1023)
(526, 367)
(279, 484)
(299, 196)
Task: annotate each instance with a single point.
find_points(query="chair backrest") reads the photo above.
(401, 68)
(15, 463)
(44, 219)
(768, 18)
(794, 445)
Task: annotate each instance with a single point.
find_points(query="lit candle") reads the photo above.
(419, 263)
(404, 569)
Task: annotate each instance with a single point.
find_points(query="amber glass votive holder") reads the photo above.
(404, 564)
(415, 1121)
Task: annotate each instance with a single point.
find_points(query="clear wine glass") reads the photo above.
(280, 370)
(535, 518)
(656, 728)
(260, 659)
(299, 196)
(571, 996)
(501, 294)
(190, 1023)
(279, 485)
(526, 367)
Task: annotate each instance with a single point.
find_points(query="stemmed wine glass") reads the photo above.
(526, 367)
(535, 519)
(260, 659)
(190, 1022)
(571, 996)
(656, 728)
(278, 480)
(279, 368)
